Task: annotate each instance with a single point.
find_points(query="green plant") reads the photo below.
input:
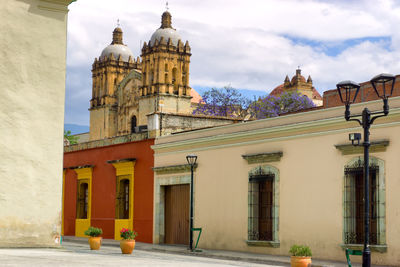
(128, 234)
(71, 138)
(299, 250)
(93, 231)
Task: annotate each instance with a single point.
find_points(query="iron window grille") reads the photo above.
(354, 204)
(261, 206)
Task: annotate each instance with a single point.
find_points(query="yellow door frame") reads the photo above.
(126, 169)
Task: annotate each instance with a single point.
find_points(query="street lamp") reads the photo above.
(191, 159)
(348, 91)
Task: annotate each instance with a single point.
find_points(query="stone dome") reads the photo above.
(165, 31)
(298, 78)
(116, 50)
(117, 47)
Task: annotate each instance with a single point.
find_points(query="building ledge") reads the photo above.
(376, 248)
(121, 160)
(107, 142)
(173, 169)
(263, 157)
(258, 243)
(376, 146)
(55, 5)
(80, 167)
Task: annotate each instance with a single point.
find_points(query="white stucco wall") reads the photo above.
(32, 75)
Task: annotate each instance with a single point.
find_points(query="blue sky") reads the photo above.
(249, 45)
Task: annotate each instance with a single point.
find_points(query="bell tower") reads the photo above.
(115, 62)
(165, 68)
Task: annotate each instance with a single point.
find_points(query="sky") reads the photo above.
(250, 44)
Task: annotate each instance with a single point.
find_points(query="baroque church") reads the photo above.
(151, 93)
(126, 90)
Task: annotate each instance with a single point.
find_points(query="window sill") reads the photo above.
(376, 248)
(257, 243)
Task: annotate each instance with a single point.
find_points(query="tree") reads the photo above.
(272, 106)
(225, 102)
(71, 138)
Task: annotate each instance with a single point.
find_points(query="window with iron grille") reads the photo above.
(263, 204)
(82, 203)
(123, 197)
(353, 201)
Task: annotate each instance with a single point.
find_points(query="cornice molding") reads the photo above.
(55, 5)
(263, 157)
(376, 146)
(173, 169)
(280, 132)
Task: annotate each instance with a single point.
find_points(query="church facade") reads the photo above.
(128, 92)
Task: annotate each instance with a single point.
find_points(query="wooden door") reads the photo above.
(265, 209)
(177, 203)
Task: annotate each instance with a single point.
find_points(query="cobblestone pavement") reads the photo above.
(81, 255)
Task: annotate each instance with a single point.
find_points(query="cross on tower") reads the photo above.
(118, 23)
(166, 6)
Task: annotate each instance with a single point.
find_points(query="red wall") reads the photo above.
(367, 93)
(104, 187)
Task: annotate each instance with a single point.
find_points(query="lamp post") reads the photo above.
(348, 91)
(191, 159)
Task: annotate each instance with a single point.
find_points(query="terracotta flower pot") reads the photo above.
(127, 246)
(95, 242)
(298, 261)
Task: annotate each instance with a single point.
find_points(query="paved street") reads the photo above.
(80, 255)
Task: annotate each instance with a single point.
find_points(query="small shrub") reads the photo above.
(302, 251)
(128, 234)
(93, 231)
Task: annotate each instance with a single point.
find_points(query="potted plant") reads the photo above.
(127, 243)
(301, 256)
(94, 237)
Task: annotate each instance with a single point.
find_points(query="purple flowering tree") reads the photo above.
(273, 106)
(226, 102)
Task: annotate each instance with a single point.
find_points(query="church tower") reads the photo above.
(114, 63)
(165, 68)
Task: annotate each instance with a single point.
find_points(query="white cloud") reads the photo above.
(248, 44)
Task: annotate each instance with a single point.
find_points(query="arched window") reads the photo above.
(174, 80)
(151, 77)
(133, 124)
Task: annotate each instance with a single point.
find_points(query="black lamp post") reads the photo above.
(191, 159)
(348, 91)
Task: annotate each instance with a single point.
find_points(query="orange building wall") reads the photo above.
(104, 187)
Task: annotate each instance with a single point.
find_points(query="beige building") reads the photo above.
(33, 47)
(262, 186)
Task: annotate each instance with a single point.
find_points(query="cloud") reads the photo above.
(247, 44)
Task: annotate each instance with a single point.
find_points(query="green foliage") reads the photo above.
(299, 250)
(128, 234)
(71, 138)
(93, 231)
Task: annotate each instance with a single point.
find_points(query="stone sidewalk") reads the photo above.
(271, 260)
